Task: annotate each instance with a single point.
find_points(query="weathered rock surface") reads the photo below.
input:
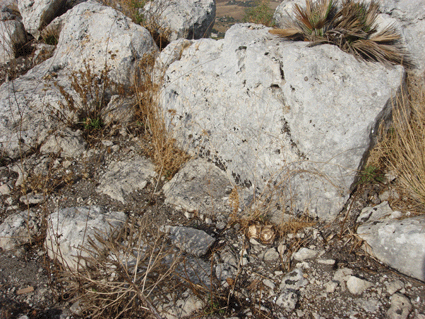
(387, 240)
(38, 14)
(69, 229)
(17, 229)
(400, 307)
(125, 177)
(201, 187)
(93, 35)
(66, 142)
(267, 109)
(193, 241)
(407, 16)
(12, 38)
(189, 19)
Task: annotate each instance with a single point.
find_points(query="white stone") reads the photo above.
(378, 212)
(294, 280)
(356, 285)
(69, 229)
(304, 254)
(287, 300)
(37, 14)
(342, 274)
(398, 243)
(331, 286)
(190, 19)
(5, 189)
(124, 177)
(400, 307)
(394, 286)
(66, 142)
(271, 255)
(16, 230)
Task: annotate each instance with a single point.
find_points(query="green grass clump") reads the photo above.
(260, 13)
(351, 26)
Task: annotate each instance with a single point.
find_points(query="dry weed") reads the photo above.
(160, 144)
(404, 145)
(123, 272)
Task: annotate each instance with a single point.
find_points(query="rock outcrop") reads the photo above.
(273, 111)
(93, 36)
(189, 19)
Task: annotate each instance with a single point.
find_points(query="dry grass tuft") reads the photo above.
(159, 143)
(124, 272)
(404, 145)
(351, 27)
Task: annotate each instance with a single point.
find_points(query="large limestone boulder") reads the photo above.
(189, 19)
(269, 110)
(37, 14)
(93, 35)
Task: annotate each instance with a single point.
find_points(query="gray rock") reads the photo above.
(5, 189)
(120, 110)
(394, 286)
(193, 241)
(294, 280)
(369, 305)
(32, 199)
(37, 14)
(189, 19)
(342, 274)
(124, 177)
(93, 35)
(357, 286)
(375, 213)
(69, 229)
(330, 286)
(288, 300)
(398, 243)
(199, 186)
(224, 271)
(304, 254)
(66, 142)
(17, 229)
(400, 307)
(12, 37)
(271, 255)
(260, 107)
(181, 308)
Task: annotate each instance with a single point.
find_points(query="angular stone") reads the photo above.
(356, 285)
(37, 14)
(291, 137)
(271, 255)
(288, 300)
(189, 19)
(69, 229)
(32, 199)
(394, 286)
(199, 186)
(5, 189)
(294, 280)
(125, 177)
(17, 229)
(66, 142)
(400, 307)
(398, 243)
(305, 253)
(12, 37)
(375, 213)
(193, 241)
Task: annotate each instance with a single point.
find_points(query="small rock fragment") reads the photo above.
(356, 285)
(287, 300)
(193, 241)
(304, 254)
(400, 307)
(271, 255)
(394, 286)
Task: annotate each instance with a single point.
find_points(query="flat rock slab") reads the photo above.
(398, 243)
(69, 229)
(193, 241)
(125, 177)
(200, 187)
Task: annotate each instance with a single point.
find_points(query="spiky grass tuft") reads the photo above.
(352, 27)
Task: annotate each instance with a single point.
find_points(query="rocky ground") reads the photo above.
(238, 267)
(310, 269)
